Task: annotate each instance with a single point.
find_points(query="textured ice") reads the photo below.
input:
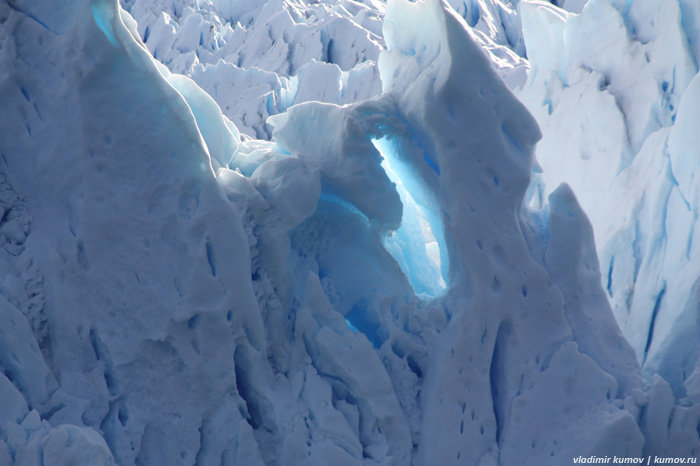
(617, 128)
(279, 232)
(258, 58)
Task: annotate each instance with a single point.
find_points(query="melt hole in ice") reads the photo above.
(418, 245)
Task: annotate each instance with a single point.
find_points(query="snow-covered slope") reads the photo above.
(184, 280)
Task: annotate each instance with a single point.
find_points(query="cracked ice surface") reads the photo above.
(187, 281)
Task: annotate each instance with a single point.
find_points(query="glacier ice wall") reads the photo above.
(175, 293)
(616, 127)
(492, 361)
(258, 58)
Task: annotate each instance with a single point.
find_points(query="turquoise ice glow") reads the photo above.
(103, 16)
(418, 245)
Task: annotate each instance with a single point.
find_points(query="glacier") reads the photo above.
(647, 233)
(349, 232)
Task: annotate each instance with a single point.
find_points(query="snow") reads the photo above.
(348, 232)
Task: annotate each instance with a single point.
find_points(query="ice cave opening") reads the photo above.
(419, 244)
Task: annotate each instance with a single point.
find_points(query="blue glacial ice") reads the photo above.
(348, 232)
